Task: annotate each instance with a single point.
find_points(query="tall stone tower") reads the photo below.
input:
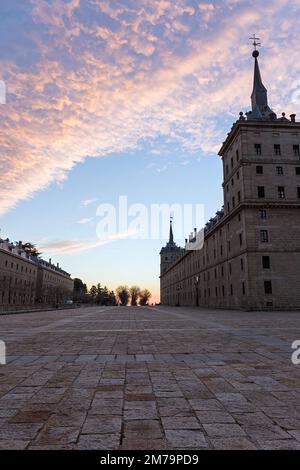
(169, 253)
(261, 169)
(251, 253)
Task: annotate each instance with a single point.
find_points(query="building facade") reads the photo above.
(250, 258)
(54, 285)
(18, 274)
(26, 279)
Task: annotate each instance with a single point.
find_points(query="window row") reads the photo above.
(261, 193)
(18, 268)
(277, 149)
(279, 170)
(268, 289)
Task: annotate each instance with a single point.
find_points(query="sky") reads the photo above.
(123, 98)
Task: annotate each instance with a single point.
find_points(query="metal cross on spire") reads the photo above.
(256, 42)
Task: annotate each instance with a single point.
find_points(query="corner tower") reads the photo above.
(169, 253)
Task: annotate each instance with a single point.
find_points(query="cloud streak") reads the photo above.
(73, 246)
(89, 78)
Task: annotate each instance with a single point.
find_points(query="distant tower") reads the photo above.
(169, 254)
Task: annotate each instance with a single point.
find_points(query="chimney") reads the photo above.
(49, 260)
(293, 117)
(57, 265)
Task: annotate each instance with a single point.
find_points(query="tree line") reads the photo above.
(101, 295)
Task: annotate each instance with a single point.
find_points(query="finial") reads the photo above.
(256, 44)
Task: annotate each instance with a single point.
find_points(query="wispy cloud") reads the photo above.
(85, 220)
(87, 202)
(88, 78)
(72, 246)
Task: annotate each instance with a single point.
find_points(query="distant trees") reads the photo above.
(80, 290)
(134, 294)
(145, 295)
(96, 294)
(103, 296)
(123, 295)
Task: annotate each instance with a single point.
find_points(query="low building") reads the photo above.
(18, 274)
(54, 285)
(26, 280)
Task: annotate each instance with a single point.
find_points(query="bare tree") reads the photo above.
(134, 293)
(123, 295)
(144, 296)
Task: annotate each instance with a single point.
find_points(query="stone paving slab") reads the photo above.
(149, 378)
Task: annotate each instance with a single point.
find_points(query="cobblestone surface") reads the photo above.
(149, 378)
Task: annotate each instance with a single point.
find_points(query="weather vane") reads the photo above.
(256, 43)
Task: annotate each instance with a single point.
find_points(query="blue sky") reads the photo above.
(109, 98)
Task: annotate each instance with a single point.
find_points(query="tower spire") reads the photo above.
(171, 237)
(259, 96)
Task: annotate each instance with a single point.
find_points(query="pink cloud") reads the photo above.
(156, 68)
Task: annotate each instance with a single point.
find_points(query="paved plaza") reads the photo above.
(149, 378)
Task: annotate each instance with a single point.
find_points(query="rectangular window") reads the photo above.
(257, 148)
(297, 170)
(223, 291)
(279, 170)
(281, 192)
(238, 175)
(264, 236)
(242, 264)
(233, 202)
(259, 170)
(298, 192)
(266, 262)
(237, 155)
(231, 289)
(241, 239)
(239, 196)
(296, 150)
(243, 288)
(263, 214)
(268, 287)
(277, 149)
(261, 191)
(231, 162)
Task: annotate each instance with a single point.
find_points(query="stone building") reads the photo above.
(251, 253)
(18, 274)
(54, 285)
(26, 280)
